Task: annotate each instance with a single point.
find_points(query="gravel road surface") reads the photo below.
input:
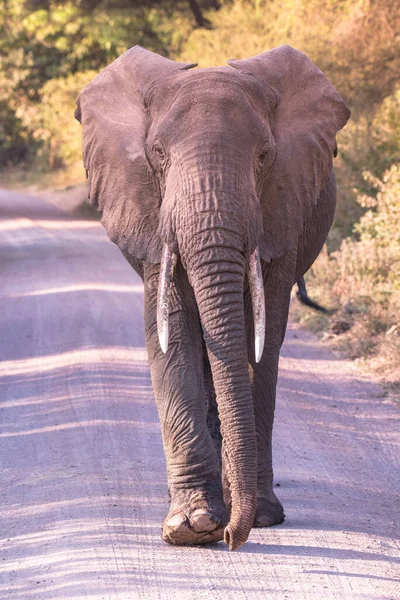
(83, 481)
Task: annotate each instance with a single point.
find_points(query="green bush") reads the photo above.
(17, 143)
(50, 49)
(55, 128)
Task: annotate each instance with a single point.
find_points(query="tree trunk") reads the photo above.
(198, 15)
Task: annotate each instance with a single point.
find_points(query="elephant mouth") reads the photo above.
(254, 273)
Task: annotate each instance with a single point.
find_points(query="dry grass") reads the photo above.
(360, 283)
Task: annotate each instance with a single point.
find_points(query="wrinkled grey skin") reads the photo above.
(214, 162)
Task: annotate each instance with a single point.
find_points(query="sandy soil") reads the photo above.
(83, 482)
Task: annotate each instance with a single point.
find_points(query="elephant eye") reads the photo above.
(261, 159)
(159, 150)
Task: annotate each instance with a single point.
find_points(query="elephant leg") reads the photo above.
(278, 281)
(197, 513)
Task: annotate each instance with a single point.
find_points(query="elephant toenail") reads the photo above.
(201, 520)
(176, 521)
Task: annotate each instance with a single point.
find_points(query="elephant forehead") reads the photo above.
(219, 80)
(211, 85)
(205, 96)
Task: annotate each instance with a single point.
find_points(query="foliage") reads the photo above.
(356, 43)
(49, 49)
(361, 280)
(17, 144)
(59, 133)
(47, 41)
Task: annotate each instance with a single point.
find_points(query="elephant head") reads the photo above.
(214, 165)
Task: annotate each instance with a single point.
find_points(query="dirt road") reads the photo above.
(83, 482)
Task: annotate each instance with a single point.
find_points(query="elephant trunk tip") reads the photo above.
(234, 537)
(238, 529)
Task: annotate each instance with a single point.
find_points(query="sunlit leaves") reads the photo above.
(47, 41)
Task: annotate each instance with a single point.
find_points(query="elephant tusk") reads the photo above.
(167, 267)
(258, 302)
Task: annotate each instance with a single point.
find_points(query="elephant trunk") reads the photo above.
(207, 224)
(216, 275)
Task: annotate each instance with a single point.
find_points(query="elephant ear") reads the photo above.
(112, 112)
(304, 122)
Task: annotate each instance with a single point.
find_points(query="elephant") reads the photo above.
(217, 185)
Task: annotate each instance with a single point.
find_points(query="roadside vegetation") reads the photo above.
(50, 49)
(360, 284)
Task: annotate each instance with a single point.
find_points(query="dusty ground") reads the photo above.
(69, 199)
(83, 482)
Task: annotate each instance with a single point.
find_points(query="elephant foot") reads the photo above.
(269, 511)
(198, 528)
(194, 518)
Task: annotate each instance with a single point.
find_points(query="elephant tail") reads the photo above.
(305, 299)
